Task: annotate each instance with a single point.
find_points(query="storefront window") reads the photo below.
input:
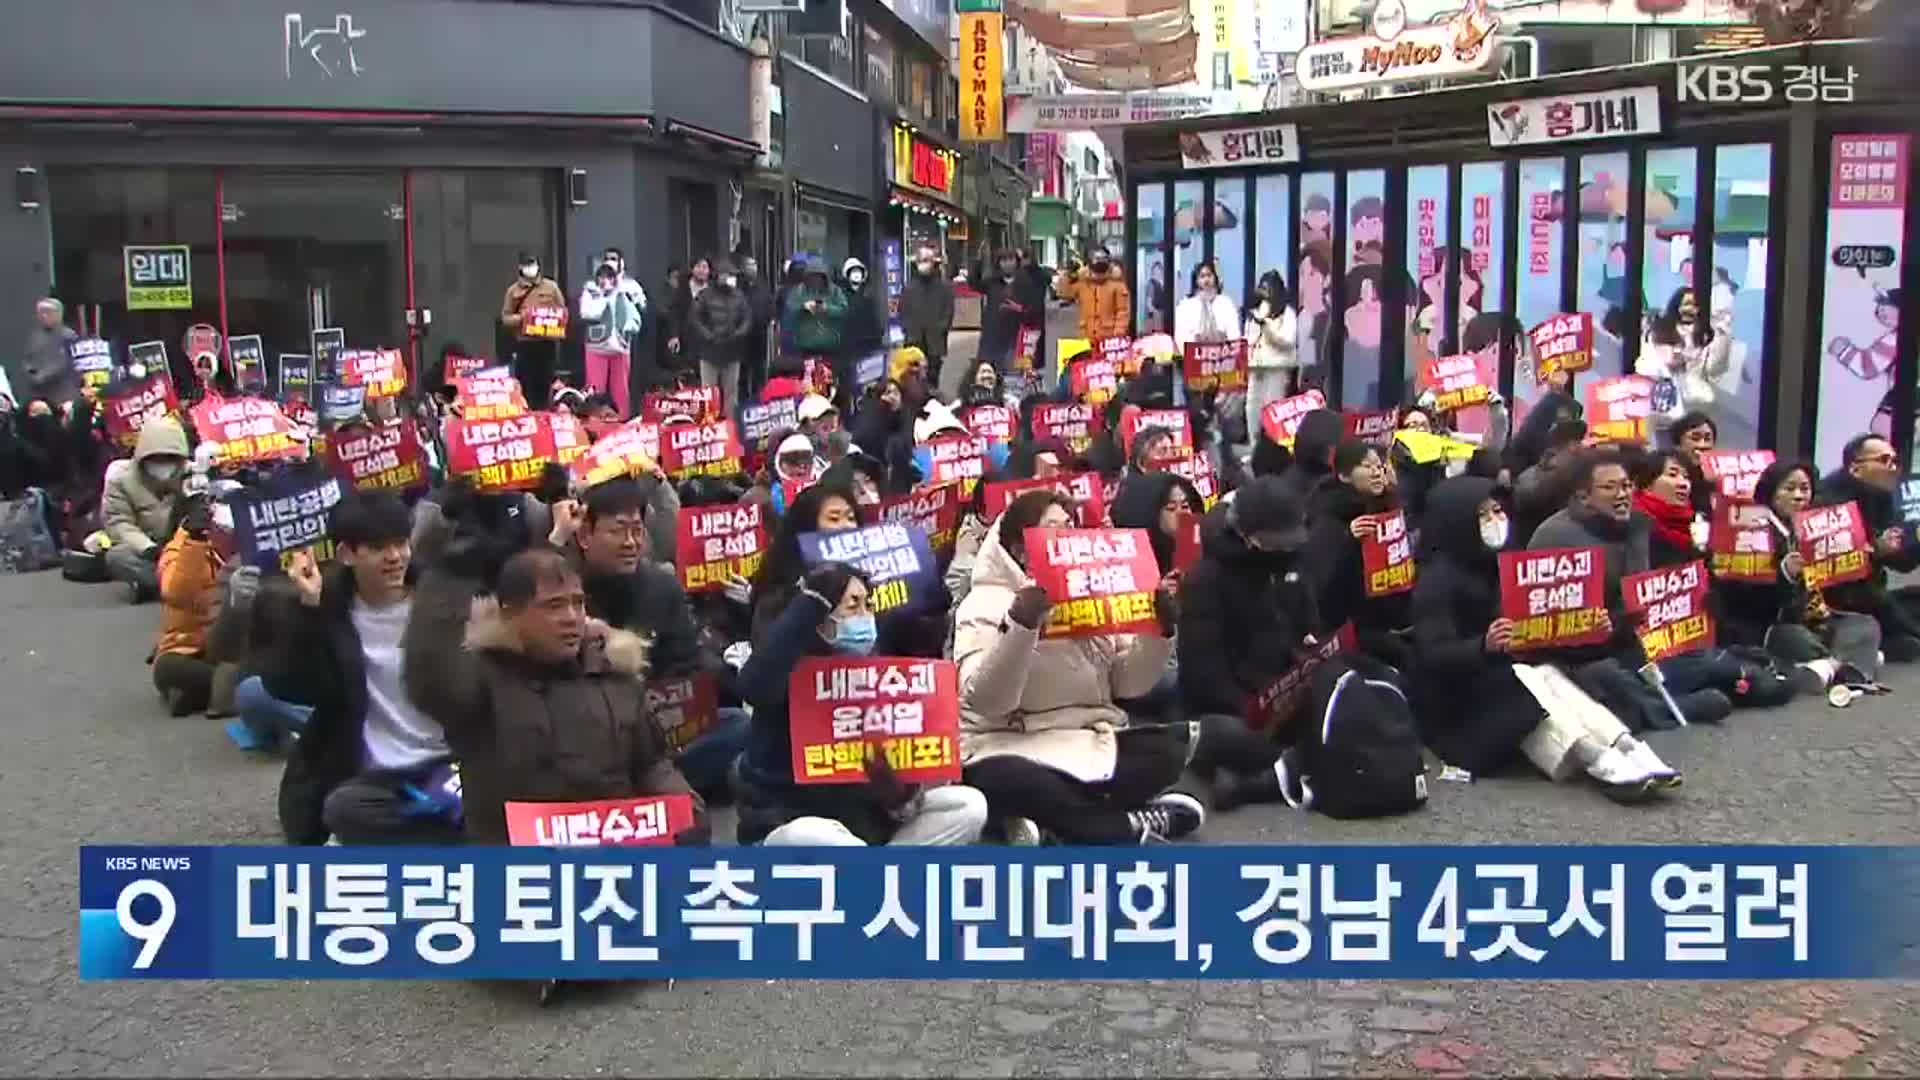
(97, 213)
(1427, 261)
(1190, 215)
(1229, 237)
(1603, 257)
(1860, 314)
(1482, 264)
(1666, 264)
(1149, 271)
(828, 232)
(1364, 287)
(1272, 231)
(469, 225)
(1737, 303)
(1542, 204)
(1313, 281)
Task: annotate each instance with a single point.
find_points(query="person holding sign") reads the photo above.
(1791, 621)
(540, 703)
(1359, 553)
(137, 503)
(1663, 494)
(534, 359)
(827, 614)
(1206, 315)
(189, 573)
(1868, 477)
(818, 508)
(1043, 734)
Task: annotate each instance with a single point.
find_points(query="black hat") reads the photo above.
(1266, 508)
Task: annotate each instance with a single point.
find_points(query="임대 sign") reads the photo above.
(159, 276)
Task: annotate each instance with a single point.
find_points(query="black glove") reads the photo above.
(553, 484)
(152, 554)
(196, 517)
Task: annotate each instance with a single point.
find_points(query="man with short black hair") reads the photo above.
(370, 767)
(1869, 475)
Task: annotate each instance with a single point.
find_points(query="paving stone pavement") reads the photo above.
(89, 756)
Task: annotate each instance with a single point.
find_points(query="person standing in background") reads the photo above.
(1273, 359)
(721, 322)
(682, 347)
(864, 331)
(45, 371)
(1012, 300)
(534, 359)
(612, 307)
(1099, 291)
(753, 363)
(926, 310)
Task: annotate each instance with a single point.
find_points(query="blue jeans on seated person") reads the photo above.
(265, 721)
(705, 760)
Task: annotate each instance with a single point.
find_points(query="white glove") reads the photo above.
(738, 590)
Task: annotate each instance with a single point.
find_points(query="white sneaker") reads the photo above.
(1620, 777)
(1642, 755)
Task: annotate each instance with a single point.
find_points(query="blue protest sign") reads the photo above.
(902, 574)
(281, 513)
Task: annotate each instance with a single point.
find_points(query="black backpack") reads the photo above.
(1359, 754)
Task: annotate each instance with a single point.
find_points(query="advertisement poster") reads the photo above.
(500, 455)
(1740, 542)
(651, 820)
(1833, 544)
(1386, 555)
(1860, 305)
(715, 544)
(684, 708)
(690, 450)
(933, 510)
(1072, 422)
(1086, 490)
(902, 574)
(1670, 607)
(386, 458)
(1555, 596)
(1101, 581)
(1735, 472)
(1274, 706)
(846, 710)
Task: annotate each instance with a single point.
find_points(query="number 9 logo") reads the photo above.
(150, 935)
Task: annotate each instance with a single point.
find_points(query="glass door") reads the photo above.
(469, 227)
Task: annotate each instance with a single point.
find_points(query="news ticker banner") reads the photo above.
(990, 912)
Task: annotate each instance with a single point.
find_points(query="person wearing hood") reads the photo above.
(826, 613)
(1869, 475)
(1313, 442)
(1474, 711)
(534, 359)
(814, 313)
(1011, 302)
(45, 372)
(865, 330)
(136, 507)
(1042, 730)
(721, 323)
(613, 309)
(189, 575)
(1100, 292)
(1155, 503)
(877, 418)
(1341, 512)
(1794, 623)
(926, 309)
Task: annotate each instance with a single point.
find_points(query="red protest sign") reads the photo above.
(646, 821)
(699, 402)
(1386, 554)
(1095, 379)
(1734, 472)
(817, 372)
(1375, 426)
(569, 436)
(1833, 544)
(131, 404)
(1215, 365)
(458, 366)
(1455, 382)
(1072, 422)
(710, 449)
(935, 510)
(1281, 419)
(994, 423)
(245, 430)
(1671, 606)
(1133, 420)
(845, 711)
(955, 458)
(1118, 351)
(1617, 408)
(628, 450)
(1086, 490)
(1025, 346)
(1275, 705)
(489, 397)
(1555, 596)
(385, 458)
(684, 708)
(1186, 541)
(1562, 343)
(1197, 469)
(1740, 542)
(1101, 581)
(500, 455)
(715, 544)
(382, 371)
(547, 323)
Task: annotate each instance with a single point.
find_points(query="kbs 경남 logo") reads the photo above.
(1761, 84)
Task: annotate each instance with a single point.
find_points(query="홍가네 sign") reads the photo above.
(1608, 114)
(715, 544)
(159, 276)
(1101, 581)
(1277, 144)
(897, 560)
(500, 455)
(1671, 606)
(1740, 542)
(1555, 596)
(1216, 365)
(1833, 544)
(844, 711)
(384, 458)
(1562, 343)
(647, 821)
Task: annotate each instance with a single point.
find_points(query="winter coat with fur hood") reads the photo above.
(526, 731)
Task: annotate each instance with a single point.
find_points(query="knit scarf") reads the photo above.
(1672, 521)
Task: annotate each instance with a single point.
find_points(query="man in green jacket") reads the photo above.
(815, 312)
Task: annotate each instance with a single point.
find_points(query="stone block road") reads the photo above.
(90, 757)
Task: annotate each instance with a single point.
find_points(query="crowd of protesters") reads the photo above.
(510, 634)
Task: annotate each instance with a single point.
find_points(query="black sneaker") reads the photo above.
(1231, 789)
(1704, 706)
(1168, 817)
(1805, 681)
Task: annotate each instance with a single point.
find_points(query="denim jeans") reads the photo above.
(265, 721)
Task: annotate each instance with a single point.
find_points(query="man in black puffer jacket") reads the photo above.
(1869, 475)
(1313, 443)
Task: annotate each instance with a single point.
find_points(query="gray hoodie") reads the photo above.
(46, 371)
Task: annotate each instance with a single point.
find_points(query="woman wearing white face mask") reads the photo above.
(136, 505)
(1475, 712)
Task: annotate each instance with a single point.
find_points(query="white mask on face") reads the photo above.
(1493, 533)
(857, 277)
(729, 281)
(161, 472)
(530, 271)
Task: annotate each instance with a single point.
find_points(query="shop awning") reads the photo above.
(921, 204)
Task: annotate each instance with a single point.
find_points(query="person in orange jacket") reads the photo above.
(189, 600)
(1100, 291)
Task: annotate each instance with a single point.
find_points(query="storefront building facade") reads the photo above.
(1415, 227)
(379, 171)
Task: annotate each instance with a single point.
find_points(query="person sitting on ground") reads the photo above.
(1474, 711)
(1663, 494)
(1155, 502)
(1542, 486)
(1794, 623)
(540, 703)
(1042, 733)
(1313, 442)
(189, 573)
(1691, 436)
(371, 766)
(827, 614)
(137, 505)
(1347, 507)
(818, 508)
(1869, 475)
